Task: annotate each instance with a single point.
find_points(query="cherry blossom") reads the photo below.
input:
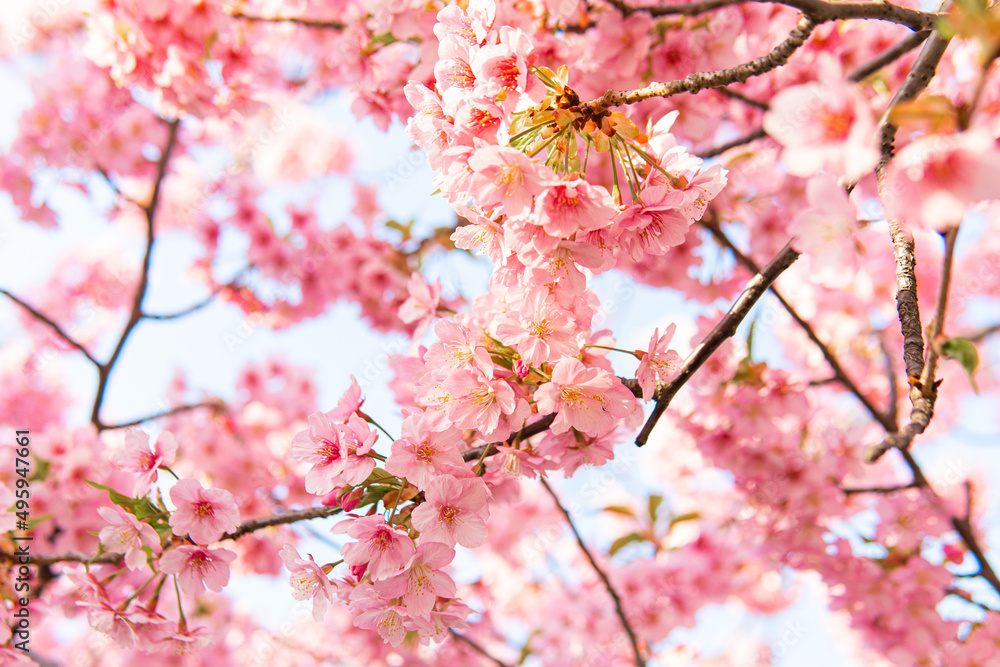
(127, 535)
(198, 568)
(454, 512)
(203, 514)
(137, 457)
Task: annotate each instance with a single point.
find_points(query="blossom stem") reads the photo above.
(615, 349)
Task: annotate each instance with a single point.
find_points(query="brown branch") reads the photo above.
(639, 661)
(476, 647)
(694, 83)
(839, 374)
(215, 405)
(890, 371)
(878, 489)
(818, 10)
(889, 56)
(749, 101)
(962, 525)
(724, 329)
(104, 370)
(243, 529)
(740, 141)
(979, 335)
(52, 325)
(923, 386)
(309, 23)
(281, 519)
(197, 306)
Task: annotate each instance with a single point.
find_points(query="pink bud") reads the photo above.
(954, 553)
(331, 499)
(351, 500)
(359, 570)
(521, 369)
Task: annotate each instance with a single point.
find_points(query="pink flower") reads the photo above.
(421, 304)
(308, 581)
(127, 535)
(540, 330)
(203, 514)
(198, 568)
(348, 404)
(590, 400)
(458, 348)
(658, 363)
(137, 457)
(825, 232)
(568, 206)
(377, 613)
(824, 124)
(502, 69)
(422, 582)
(505, 179)
(384, 548)
(476, 401)
(932, 181)
(421, 454)
(454, 512)
(336, 452)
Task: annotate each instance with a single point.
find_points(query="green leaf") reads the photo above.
(117, 498)
(690, 516)
(620, 509)
(964, 352)
(621, 542)
(654, 504)
(41, 470)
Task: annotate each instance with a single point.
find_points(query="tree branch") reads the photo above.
(104, 370)
(309, 23)
(52, 325)
(197, 306)
(818, 10)
(923, 387)
(281, 519)
(839, 374)
(889, 56)
(476, 647)
(724, 329)
(759, 133)
(215, 405)
(694, 83)
(243, 529)
(639, 661)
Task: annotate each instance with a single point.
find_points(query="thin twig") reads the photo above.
(724, 329)
(52, 325)
(197, 306)
(135, 315)
(749, 101)
(476, 647)
(818, 10)
(923, 386)
(215, 405)
(309, 23)
(759, 133)
(696, 82)
(243, 529)
(639, 661)
(838, 371)
(878, 489)
(890, 371)
(980, 334)
(889, 56)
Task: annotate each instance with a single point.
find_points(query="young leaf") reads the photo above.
(964, 352)
(621, 542)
